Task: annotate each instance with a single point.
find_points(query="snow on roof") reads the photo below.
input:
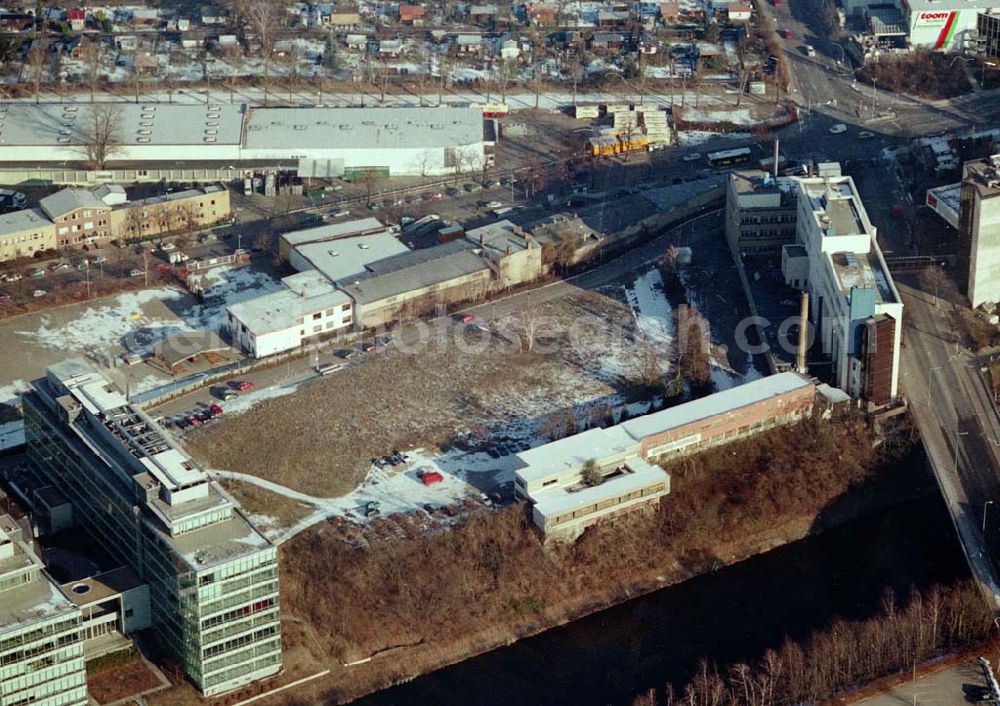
(639, 474)
(719, 403)
(362, 128)
(333, 230)
(573, 451)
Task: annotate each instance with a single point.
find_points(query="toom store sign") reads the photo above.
(944, 22)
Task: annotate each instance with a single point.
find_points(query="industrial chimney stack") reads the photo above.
(800, 358)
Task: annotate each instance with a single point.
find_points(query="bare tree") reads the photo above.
(536, 84)
(262, 17)
(935, 279)
(38, 59)
(102, 134)
(369, 179)
(91, 55)
(187, 219)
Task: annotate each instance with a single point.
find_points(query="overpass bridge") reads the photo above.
(954, 412)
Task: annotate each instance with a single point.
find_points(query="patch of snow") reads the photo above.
(691, 138)
(224, 286)
(247, 400)
(10, 394)
(652, 311)
(119, 321)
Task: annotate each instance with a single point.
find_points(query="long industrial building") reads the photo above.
(212, 576)
(311, 142)
(552, 477)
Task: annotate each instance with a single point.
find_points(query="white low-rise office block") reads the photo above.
(564, 505)
(308, 308)
(854, 305)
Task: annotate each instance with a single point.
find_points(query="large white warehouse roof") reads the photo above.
(359, 128)
(67, 124)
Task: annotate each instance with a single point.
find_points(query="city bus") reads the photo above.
(737, 156)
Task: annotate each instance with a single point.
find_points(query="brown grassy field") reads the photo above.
(321, 439)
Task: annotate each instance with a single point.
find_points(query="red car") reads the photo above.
(216, 409)
(468, 319)
(786, 34)
(244, 385)
(193, 420)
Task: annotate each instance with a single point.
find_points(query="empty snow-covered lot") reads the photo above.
(103, 328)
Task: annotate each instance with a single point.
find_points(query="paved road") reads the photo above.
(959, 427)
(946, 687)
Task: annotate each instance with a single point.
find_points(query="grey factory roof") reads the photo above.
(420, 274)
(67, 200)
(718, 403)
(19, 221)
(52, 124)
(173, 196)
(332, 231)
(499, 237)
(353, 128)
(346, 258)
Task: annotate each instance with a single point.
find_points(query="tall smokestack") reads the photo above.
(800, 358)
(776, 152)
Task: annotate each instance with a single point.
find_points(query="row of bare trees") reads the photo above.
(843, 655)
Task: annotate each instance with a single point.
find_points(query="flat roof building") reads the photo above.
(979, 224)
(313, 142)
(344, 259)
(853, 301)
(558, 478)
(760, 212)
(309, 307)
(212, 576)
(330, 231)
(41, 647)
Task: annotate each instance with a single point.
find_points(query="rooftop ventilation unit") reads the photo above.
(143, 140)
(210, 139)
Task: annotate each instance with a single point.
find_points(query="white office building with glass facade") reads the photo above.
(212, 576)
(41, 647)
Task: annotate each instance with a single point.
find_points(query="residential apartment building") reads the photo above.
(41, 648)
(180, 211)
(979, 225)
(854, 305)
(309, 308)
(212, 577)
(760, 212)
(76, 217)
(24, 233)
(80, 217)
(553, 478)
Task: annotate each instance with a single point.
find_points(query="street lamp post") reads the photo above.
(985, 64)
(874, 99)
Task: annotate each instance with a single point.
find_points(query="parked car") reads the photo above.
(193, 420)
(243, 385)
(10, 277)
(468, 318)
(39, 293)
(216, 409)
(167, 247)
(693, 157)
(59, 266)
(452, 191)
(137, 273)
(866, 135)
(225, 393)
(472, 187)
(36, 273)
(785, 34)
(808, 50)
(435, 196)
(838, 129)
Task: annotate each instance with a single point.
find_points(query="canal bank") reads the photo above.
(732, 615)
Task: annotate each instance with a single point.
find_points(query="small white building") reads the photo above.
(308, 308)
(854, 305)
